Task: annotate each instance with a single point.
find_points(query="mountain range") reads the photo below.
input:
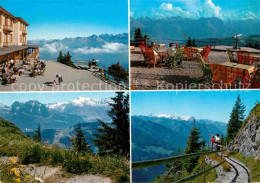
(178, 28)
(107, 48)
(58, 120)
(160, 135)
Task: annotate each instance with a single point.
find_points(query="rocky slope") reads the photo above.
(247, 142)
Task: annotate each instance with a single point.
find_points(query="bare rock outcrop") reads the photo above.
(247, 142)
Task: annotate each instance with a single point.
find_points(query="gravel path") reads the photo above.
(239, 173)
(89, 179)
(73, 80)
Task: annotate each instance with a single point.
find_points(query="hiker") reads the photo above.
(212, 142)
(60, 80)
(217, 141)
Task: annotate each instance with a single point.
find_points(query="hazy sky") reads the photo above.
(224, 9)
(51, 97)
(55, 19)
(214, 105)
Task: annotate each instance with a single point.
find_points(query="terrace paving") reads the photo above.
(164, 78)
(73, 80)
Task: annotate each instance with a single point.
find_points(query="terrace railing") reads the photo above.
(209, 41)
(103, 74)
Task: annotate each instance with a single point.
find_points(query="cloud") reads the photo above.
(211, 10)
(167, 9)
(53, 47)
(106, 48)
(166, 6)
(249, 15)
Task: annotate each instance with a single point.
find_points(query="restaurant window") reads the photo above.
(6, 21)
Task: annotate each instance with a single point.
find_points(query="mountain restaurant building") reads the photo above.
(13, 40)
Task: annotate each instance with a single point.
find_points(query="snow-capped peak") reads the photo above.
(81, 101)
(171, 116)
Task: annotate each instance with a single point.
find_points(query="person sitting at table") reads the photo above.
(171, 50)
(171, 56)
(155, 47)
(155, 53)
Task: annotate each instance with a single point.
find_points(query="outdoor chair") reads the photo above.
(177, 58)
(222, 76)
(205, 53)
(152, 59)
(205, 68)
(243, 57)
(254, 82)
(188, 53)
(143, 52)
(231, 56)
(144, 43)
(177, 46)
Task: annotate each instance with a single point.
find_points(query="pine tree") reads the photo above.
(236, 119)
(60, 57)
(138, 37)
(79, 141)
(189, 42)
(37, 134)
(193, 146)
(193, 43)
(118, 72)
(115, 138)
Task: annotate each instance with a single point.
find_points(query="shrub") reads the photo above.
(32, 154)
(56, 157)
(75, 163)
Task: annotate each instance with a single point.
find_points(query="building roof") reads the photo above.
(4, 11)
(12, 49)
(22, 20)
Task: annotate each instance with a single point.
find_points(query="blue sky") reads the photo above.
(214, 105)
(51, 97)
(224, 9)
(56, 19)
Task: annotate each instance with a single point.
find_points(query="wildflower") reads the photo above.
(18, 180)
(22, 166)
(27, 177)
(17, 174)
(12, 159)
(13, 169)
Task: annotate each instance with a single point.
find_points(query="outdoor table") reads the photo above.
(246, 69)
(256, 57)
(132, 47)
(198, 49)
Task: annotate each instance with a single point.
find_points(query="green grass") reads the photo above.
(14, 143)
(252, 164)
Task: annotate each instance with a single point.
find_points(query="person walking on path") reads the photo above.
(60, 80)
